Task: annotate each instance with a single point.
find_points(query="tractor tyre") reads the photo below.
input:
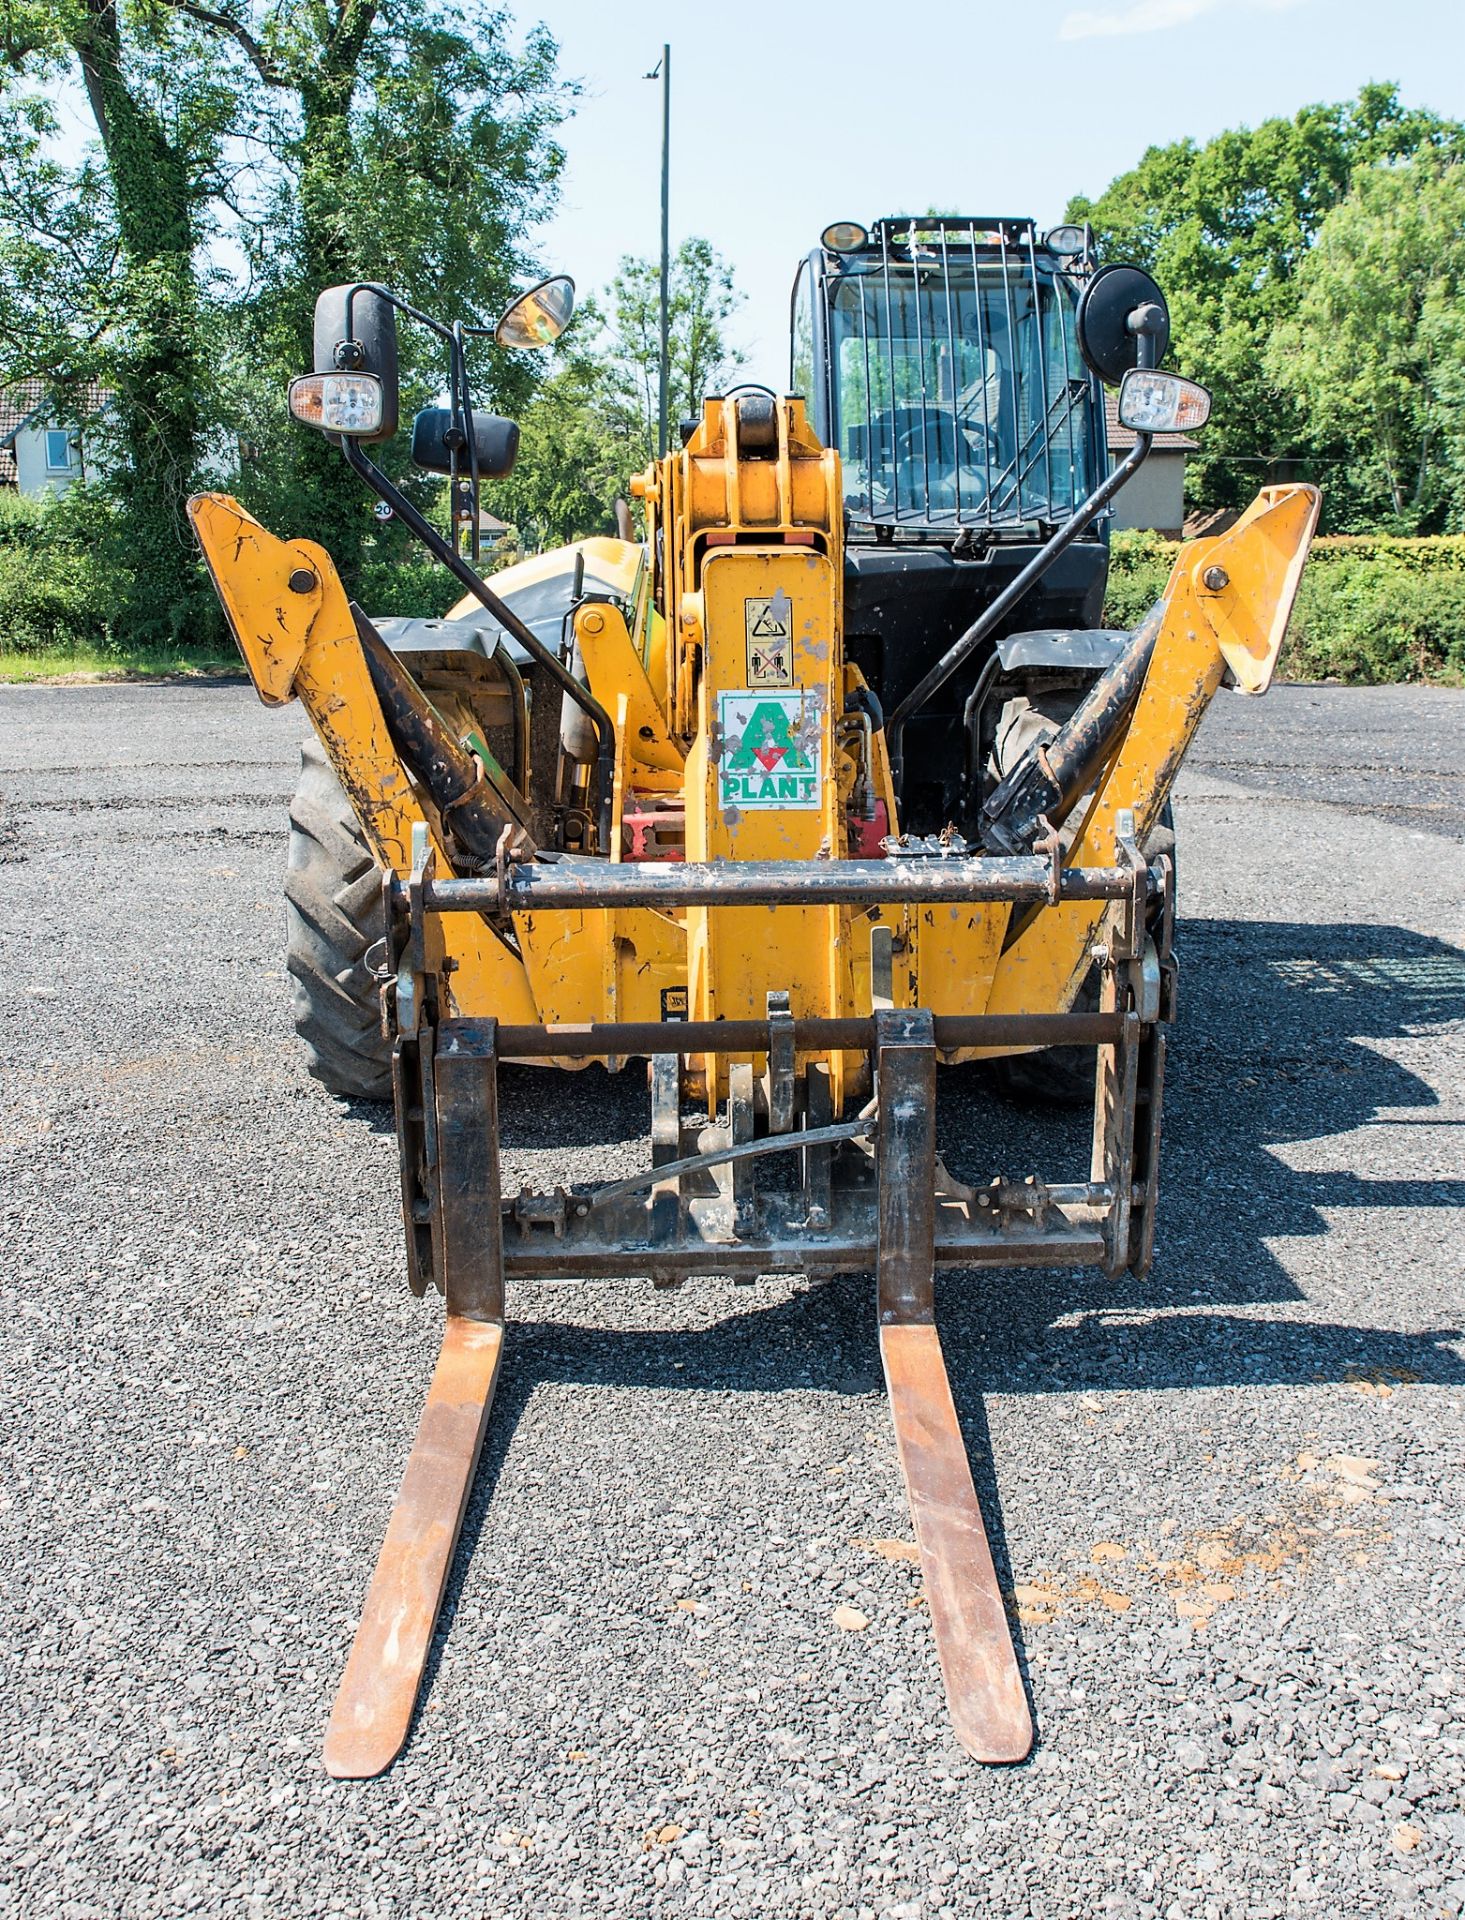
(1058, 1076)
(333, 914)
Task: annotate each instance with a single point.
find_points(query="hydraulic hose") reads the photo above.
(471, 807)
(1047, 780)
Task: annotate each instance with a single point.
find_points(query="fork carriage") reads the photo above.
(869, 1193)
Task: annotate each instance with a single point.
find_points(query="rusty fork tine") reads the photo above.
(373, 1708)
(984, 1689)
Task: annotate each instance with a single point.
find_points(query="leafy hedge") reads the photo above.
(63, 593)
(1371, 608)
(54, 593)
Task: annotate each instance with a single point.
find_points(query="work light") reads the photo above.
(349, 403)
(1064, 241)
(1151, 402)
(844, 236)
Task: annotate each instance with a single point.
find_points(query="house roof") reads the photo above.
(1121, 439)
(1205, 525)
(17, 403)
(22, 400)
(8, 475)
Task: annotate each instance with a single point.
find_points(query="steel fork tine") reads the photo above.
(373, 1708)
(984, 1689)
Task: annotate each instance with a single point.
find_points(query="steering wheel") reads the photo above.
(927, 441)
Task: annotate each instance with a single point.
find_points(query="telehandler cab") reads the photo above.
(831, 779)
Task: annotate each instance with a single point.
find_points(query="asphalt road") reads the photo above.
(1228, 1499)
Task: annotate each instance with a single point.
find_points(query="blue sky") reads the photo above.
(787, 116)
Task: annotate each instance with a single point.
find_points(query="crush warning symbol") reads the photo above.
(769, 626)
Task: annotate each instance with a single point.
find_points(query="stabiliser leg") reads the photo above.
(984, 1689)
(373, 1708)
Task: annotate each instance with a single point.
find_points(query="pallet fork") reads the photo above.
(871, 1193)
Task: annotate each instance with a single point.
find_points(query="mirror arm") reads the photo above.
(440, 549)
(463, 412)
(982, 627)
(1145, 324)
(392, 299)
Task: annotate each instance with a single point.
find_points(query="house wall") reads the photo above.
(1155, 497)
(32, 475)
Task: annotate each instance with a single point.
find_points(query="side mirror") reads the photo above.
(436, 438)
(538, 318)
(1161, 402)
(356, 333)
(1120, 306)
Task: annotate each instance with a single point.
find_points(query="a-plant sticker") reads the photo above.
(771, 749)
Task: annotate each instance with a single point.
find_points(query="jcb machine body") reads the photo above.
(830, 780)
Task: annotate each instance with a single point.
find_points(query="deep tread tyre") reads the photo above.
(333, 915)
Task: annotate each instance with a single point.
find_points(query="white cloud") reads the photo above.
(1151, 16)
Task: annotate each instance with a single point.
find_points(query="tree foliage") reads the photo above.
(1227, 227)
(124, 308)
(1374, 354)
(594, 421)
(702, 299)
(577, 451)
(407, 141)
(410, 144)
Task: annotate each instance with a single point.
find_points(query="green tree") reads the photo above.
(1225, 227)
(577, 450)
(593, 423)
(409, 143)
(702, 300)
(1371, 355)
(98, 262)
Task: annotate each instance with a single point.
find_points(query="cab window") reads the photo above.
(801, 359)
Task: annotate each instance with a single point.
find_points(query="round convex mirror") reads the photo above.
(538, 318)
(1105, 340)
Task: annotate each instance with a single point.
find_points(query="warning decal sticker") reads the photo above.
(772, 745)
(769, 627)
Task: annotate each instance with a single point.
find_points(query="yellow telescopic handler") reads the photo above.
(832, 779)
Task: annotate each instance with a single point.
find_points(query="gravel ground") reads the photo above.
(1224, 1496)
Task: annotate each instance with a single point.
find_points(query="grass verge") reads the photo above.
(86, 666)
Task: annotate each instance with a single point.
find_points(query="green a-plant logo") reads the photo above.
(771, 749)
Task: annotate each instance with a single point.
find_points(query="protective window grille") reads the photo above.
(957, 392)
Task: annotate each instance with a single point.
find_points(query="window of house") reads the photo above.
(58, 450)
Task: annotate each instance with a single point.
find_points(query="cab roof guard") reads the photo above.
(1012, 440)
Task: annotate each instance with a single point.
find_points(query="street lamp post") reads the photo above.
(663, 70)
(664, 394)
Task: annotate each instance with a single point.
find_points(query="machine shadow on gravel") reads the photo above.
(598, 1109)
(1272, 1046)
